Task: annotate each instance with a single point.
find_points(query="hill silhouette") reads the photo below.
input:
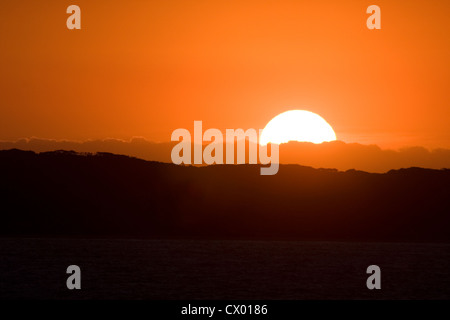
(67, 194)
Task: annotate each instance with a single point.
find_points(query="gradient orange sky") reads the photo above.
(145, 68)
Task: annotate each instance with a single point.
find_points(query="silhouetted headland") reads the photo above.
(67, 194)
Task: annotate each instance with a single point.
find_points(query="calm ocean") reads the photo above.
(194, 269)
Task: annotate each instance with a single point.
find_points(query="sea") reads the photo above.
(36, 268)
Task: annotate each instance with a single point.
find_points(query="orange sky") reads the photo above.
(145, 68)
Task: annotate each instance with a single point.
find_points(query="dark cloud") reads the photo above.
(337, 154)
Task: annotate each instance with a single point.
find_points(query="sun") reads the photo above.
(297, 125)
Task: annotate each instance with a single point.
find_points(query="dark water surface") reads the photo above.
(194, 269)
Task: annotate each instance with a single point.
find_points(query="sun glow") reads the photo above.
(297, 125)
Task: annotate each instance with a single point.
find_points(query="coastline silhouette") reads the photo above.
(65, 194)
